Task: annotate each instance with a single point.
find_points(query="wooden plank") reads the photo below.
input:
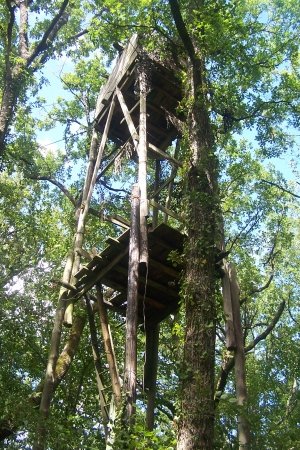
(83, 271)
(100, 274)
(151, 283)
(95, 261)
(113, 241)
(164, 155)
(163, 268)
(129, 121)
(119, 71)
(166, 210)
(131, 111)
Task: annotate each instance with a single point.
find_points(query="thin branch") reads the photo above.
(114, 189)
(228, 363)
(268, 330)
(259, 289)
(272, 183)
(57, 184)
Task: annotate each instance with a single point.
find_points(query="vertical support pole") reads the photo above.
(227, 305)
(239, 366)
(150, 372)
(171, 184)
(81, 220)
(142, 173)
(156, 197)
(132, 308)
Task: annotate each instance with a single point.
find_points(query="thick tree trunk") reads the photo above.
(7, 109)
(196, 427)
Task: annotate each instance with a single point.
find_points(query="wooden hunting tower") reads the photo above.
(137, 107)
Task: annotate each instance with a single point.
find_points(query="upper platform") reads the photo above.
(163, 97)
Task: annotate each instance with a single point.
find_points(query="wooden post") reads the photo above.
(97, 365)
(142, 176)
(240, 372)
(88, 191)
(109, 348)
(171, 184)
(156, 196)
(132, 308)
(150, 372)
(227, 305)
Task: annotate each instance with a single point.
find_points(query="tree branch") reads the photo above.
(268, 330)
(57, 184)
(272, 183)
(182, 31)
(228, 363)
(50, 34)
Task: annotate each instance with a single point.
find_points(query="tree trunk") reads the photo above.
(196, 427)
(7, 108)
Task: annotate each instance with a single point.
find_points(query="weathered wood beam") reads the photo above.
(227, 305)
(132, 309)
(150, 372)
(164, 155)
(131, 111)
(97, 364)
(166, 210)
(109, 348)
(240, 362)
(129, 121)
(142, 170)
(156, 197)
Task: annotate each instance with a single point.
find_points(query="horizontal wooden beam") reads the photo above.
(166, 210)
(164, 155)
(160, 287)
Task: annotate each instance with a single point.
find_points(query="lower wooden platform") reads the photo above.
(158, 284)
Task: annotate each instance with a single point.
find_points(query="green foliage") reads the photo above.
(252, 94)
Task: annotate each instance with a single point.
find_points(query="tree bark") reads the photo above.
(196, 425)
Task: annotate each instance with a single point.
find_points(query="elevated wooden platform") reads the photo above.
(158, 289)
(163, 98)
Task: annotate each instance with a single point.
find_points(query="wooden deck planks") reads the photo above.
(161, 296)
